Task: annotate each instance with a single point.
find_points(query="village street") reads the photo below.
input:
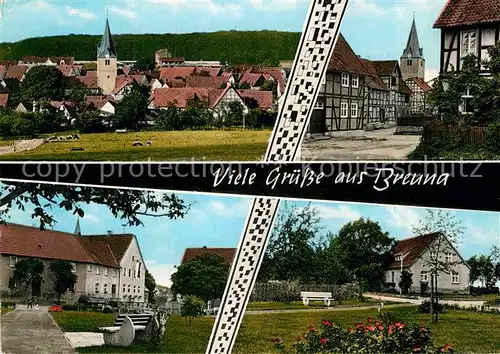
(360, 145)
(24, 330)
(21, 145)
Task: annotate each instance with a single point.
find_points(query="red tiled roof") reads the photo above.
(169, 74)
(164, 97)
(422, 84)
(20, 240)
(373, 80)
(345, 60)
(468, 12)
(58, 104)
(250, 78)
(89, 81)
(4, 99)
(16, 72)
(91, 73)
(99, 250)
(264, 99)
(385, 67)
(205, 81)
(97, 101)
(211, 71)
(191, 253)
(67, 70)
(33, 59)
(413, 248)
(118, 243)
(172, 60)
(67, 60)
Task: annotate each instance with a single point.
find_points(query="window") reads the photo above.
(139, 289)
(449, 257)
(73, 267)
(97, 270)
(393, 277)
(89, 267)
(124, 289)
(129, 272)
(12, 261)
(134, 289)
(424, 277)
(124, 272)
(397, 258)
(467, 106)
(138, 270)
(409, 62)
(319, 105)
(129, 288)
(113, 289)
(345, 80)
(114, 272)
(355, 81)
(107, 62)
(96, 288)
(105, 289)
(106, 271)
(354, 110)
(133, 258)
(433, 255)
(343, 110)
(455, 278)
(469, 43)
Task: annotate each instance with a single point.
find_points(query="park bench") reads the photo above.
(318, 296)
(121, 131)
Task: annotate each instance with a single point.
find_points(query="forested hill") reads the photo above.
(252, 47)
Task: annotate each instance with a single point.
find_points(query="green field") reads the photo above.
(217, 145)
(465, 331)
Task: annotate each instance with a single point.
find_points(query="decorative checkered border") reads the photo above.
(311, 60)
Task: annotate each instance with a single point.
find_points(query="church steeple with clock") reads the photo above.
(412, 61)
(107, 62)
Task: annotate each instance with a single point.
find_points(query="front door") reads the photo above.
(317, 124)
(36, 288)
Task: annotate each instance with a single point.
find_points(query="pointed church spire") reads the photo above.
(107, 48)
(78, 231)
(413, 49)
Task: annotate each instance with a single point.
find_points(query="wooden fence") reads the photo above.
(472, 135)
(414, 121)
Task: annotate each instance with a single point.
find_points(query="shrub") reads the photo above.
(425, 307)
(192, 307)
(424, 288)
(372, 337)
(492, 135)
(84, 299)
(493, 302)
(8, 304)
(113, 303)
(107, 309)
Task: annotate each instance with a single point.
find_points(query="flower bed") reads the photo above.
(372, 337)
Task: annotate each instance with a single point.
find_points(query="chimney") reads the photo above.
(228, 84)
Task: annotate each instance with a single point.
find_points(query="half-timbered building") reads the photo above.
(418, 100)
(340, 105)
(467, 27)
(377, 98)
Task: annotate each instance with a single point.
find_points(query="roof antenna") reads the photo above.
(124, 227)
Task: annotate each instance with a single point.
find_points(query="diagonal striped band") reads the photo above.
(314, 52)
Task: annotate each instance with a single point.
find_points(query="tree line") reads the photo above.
(236, 47)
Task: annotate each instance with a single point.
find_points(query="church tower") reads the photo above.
(107, 62)
(412, 61)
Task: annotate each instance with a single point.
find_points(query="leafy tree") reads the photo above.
(232, 114)
(406, 282)
(64, 278)
(449, 232)
(168, 119)
(204, 276)
(482, 268)
(144, 64)
(328, 269)
(150, 284)
(128, 205)
(88, 120)
(42, 82)
(195, 116)
(291, 252)
(192, 307)
(131, 112)
(28, 271)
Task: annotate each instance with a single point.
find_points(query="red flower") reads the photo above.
(359, 325)
(377, 323)
(312, 329)
(399, 325)
(423, 329)
(350, 330)
(327, 323)
(369, 320)
(370, 328)
(380, 327)
(323, 340)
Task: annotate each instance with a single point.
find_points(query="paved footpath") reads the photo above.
(332, 308)
(32, 331)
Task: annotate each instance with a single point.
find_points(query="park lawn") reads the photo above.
(213, 145)
(466, 331)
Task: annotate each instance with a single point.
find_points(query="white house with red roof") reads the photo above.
(414, 254)
(108, 267)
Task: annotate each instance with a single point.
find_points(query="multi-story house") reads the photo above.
(340, 105)
(467, 27)
(414, 254)
(418, 100)
(108, 267)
